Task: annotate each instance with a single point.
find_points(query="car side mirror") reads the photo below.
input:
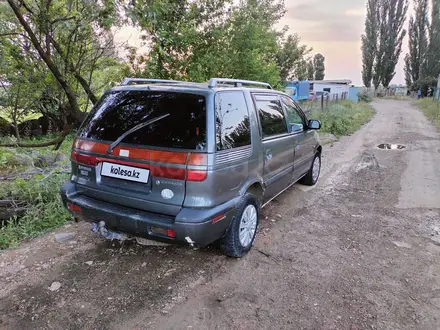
(314, 124)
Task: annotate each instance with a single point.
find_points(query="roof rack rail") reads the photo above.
(237, 82)
(128, 81)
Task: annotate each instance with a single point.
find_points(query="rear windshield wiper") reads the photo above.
(134, 129)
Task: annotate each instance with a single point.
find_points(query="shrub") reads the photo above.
(431, 109)
(365, 97)
(344, 117)
(44, 207)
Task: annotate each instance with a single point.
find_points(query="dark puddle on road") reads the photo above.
(388, 146)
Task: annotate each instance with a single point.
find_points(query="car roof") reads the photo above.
(190, 87)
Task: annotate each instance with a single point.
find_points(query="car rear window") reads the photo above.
(119, 111)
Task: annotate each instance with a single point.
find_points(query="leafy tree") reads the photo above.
(290, 58)
(424, 84)
(310, 70)
(254, 59)
(415, 61)
(392, 15)
(369, 41)
(319, 66)
(407, 70)
(68, 41)
(301, 70)
(433, 52)
(237, 40)
(180, 48)
(20, 81)
(135, 62)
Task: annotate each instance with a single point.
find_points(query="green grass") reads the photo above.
(344, 117)
(45, 210)
(41, 193)
(431, 109)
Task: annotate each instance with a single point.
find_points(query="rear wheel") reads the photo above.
(241, 234)
(312, 176)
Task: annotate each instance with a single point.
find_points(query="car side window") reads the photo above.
(295, 120)
(271, 115)
(231, 121)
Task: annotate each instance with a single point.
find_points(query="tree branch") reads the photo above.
(75, 72)
(56, 142)
(62, 19)
(9, 34)
(47, 59)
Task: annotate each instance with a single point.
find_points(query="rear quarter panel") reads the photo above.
(230, 172)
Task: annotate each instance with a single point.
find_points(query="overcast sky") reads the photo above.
(334, 28)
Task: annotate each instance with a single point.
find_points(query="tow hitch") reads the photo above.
(100, 229)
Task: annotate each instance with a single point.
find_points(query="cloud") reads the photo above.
(356, 12)
(323, 20)
(332, 31)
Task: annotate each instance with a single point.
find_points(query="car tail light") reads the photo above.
(171, 233)
(74, 208)
(196, 175)
(167, 157)
(198, 159)
(83, 159)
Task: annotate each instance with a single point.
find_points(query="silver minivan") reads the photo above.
(189, 163)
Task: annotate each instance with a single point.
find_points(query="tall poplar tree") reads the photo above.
(393, 19)
(382, 41)
(369, 41)
(433, 52)
(416, 65)
(310, 70)
(319, 65)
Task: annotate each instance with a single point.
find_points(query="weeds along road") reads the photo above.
(359, 251)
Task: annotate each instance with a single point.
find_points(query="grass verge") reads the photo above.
(40, 193)
(431, 109)
(344, 117)
(44, 208)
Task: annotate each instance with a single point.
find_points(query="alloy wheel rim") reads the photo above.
(248, 225)
(316, 169)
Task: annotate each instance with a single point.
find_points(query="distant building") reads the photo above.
(338, 89)
(298, 90)
(401, 91)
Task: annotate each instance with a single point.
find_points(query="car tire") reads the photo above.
(240, 237)
(310, 179)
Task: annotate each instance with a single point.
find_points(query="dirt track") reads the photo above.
(359, 251)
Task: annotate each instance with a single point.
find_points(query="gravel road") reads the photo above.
(359, 251)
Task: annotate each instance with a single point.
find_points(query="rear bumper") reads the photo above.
(192, 226)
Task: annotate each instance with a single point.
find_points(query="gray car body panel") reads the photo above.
(271, 165)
